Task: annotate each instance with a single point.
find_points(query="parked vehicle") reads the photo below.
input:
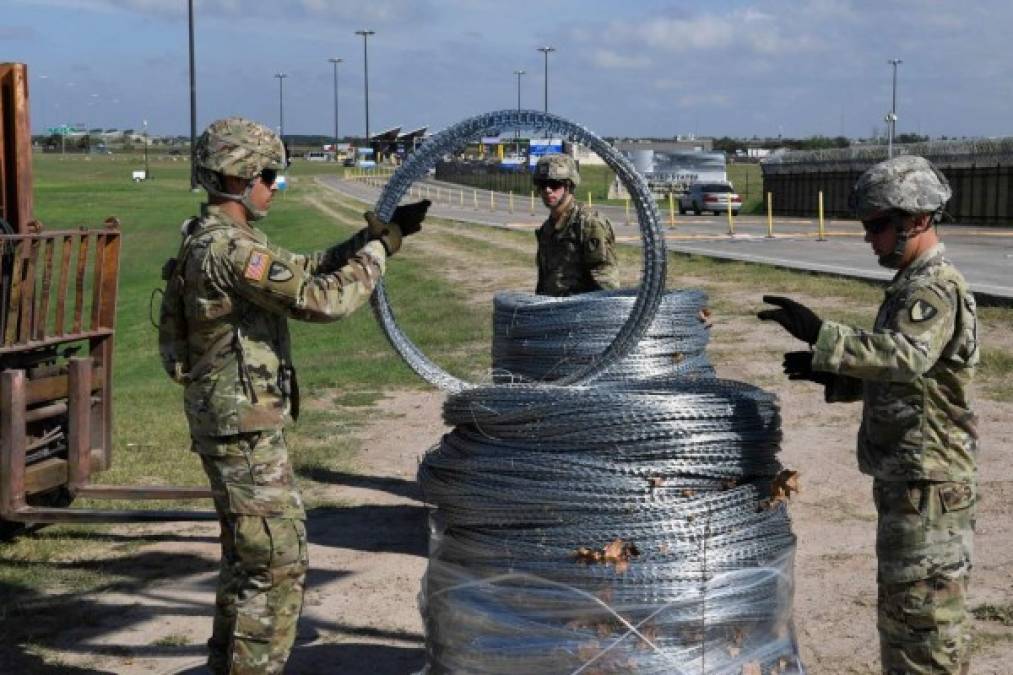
(715, 197)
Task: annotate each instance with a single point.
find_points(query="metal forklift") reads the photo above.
(57, 328)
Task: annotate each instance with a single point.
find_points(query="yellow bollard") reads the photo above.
(671, 210)
(511, 201)
(821, 237)
(474, 196)
(532, 202)
(731, 222)
(461, 195)
(627, 210)
(589, 204)
(492, 200)
(770, 215)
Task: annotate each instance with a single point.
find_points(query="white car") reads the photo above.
(716, 197)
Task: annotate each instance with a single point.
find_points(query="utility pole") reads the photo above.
(891, 119)
(335, 62)
(281, 104)
(193, 105)
(365, 70)
(546, 50)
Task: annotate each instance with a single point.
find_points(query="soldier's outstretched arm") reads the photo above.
(278, 280)
(335, 257)
(901, 351)
(600, 253)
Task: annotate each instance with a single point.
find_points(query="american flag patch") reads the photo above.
(256, 266)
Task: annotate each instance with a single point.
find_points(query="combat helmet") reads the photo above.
(556, 167)
(235, 146)
(903, 186)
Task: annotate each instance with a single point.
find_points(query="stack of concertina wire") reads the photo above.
(540, 338)
(614, 528)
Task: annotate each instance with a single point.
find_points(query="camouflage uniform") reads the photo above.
(237, 291)
(576, 254)
(240, 393)
(918, 442)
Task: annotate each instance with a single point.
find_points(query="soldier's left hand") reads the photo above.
(409, 217)
(793, 316)
(799, 366)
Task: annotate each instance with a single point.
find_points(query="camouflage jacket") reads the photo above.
(912, 372)
(239, 291)
(576, 254)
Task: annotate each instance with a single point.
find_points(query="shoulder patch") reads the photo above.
(257, 265)
(921, 311)
(279, 272)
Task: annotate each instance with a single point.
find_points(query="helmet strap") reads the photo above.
(893, 259)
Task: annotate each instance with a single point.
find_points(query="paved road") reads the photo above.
(984, 255)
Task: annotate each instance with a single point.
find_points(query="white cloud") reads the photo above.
(607, 58)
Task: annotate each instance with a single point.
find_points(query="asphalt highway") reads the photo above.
(984, 255)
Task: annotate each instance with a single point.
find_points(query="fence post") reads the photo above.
(821, 237)
(770, 215)
(627, 210)
(671, 210)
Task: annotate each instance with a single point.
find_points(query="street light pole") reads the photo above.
(892, 117)
(517, 133)
(281, 104)
(193, 105)
(335, 62)
(546, 50)
(147, 170)
(365, 69)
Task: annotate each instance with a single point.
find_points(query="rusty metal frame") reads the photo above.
(45, 309)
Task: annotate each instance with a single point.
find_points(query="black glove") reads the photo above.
(799, 366)
(409, 217)
(796, 318)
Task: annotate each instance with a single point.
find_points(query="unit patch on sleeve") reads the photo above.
(921, 311)
(257, 265)
(279, 272)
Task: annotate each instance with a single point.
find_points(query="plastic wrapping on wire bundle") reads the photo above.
(616, 529)
(540, 338)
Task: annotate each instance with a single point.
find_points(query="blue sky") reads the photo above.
(637, 68)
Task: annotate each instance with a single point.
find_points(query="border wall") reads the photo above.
(980, 173)
(485, 175)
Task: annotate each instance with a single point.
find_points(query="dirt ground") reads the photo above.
(368, 550)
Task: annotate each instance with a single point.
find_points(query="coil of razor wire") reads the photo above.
(539, 338)
(455, 138)
(535, 481)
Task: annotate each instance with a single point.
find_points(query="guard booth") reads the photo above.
(57, 328)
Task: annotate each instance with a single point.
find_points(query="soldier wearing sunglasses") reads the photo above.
(576, 245)
(918, 434)
(223, 335)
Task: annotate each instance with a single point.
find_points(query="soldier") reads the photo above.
(576, 246)
(918, 437)
(223, 334)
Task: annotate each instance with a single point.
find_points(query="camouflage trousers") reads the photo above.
(923, 546)
(264, 561)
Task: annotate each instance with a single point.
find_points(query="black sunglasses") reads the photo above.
(551, 184)
(268, 176)
(879, 225)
